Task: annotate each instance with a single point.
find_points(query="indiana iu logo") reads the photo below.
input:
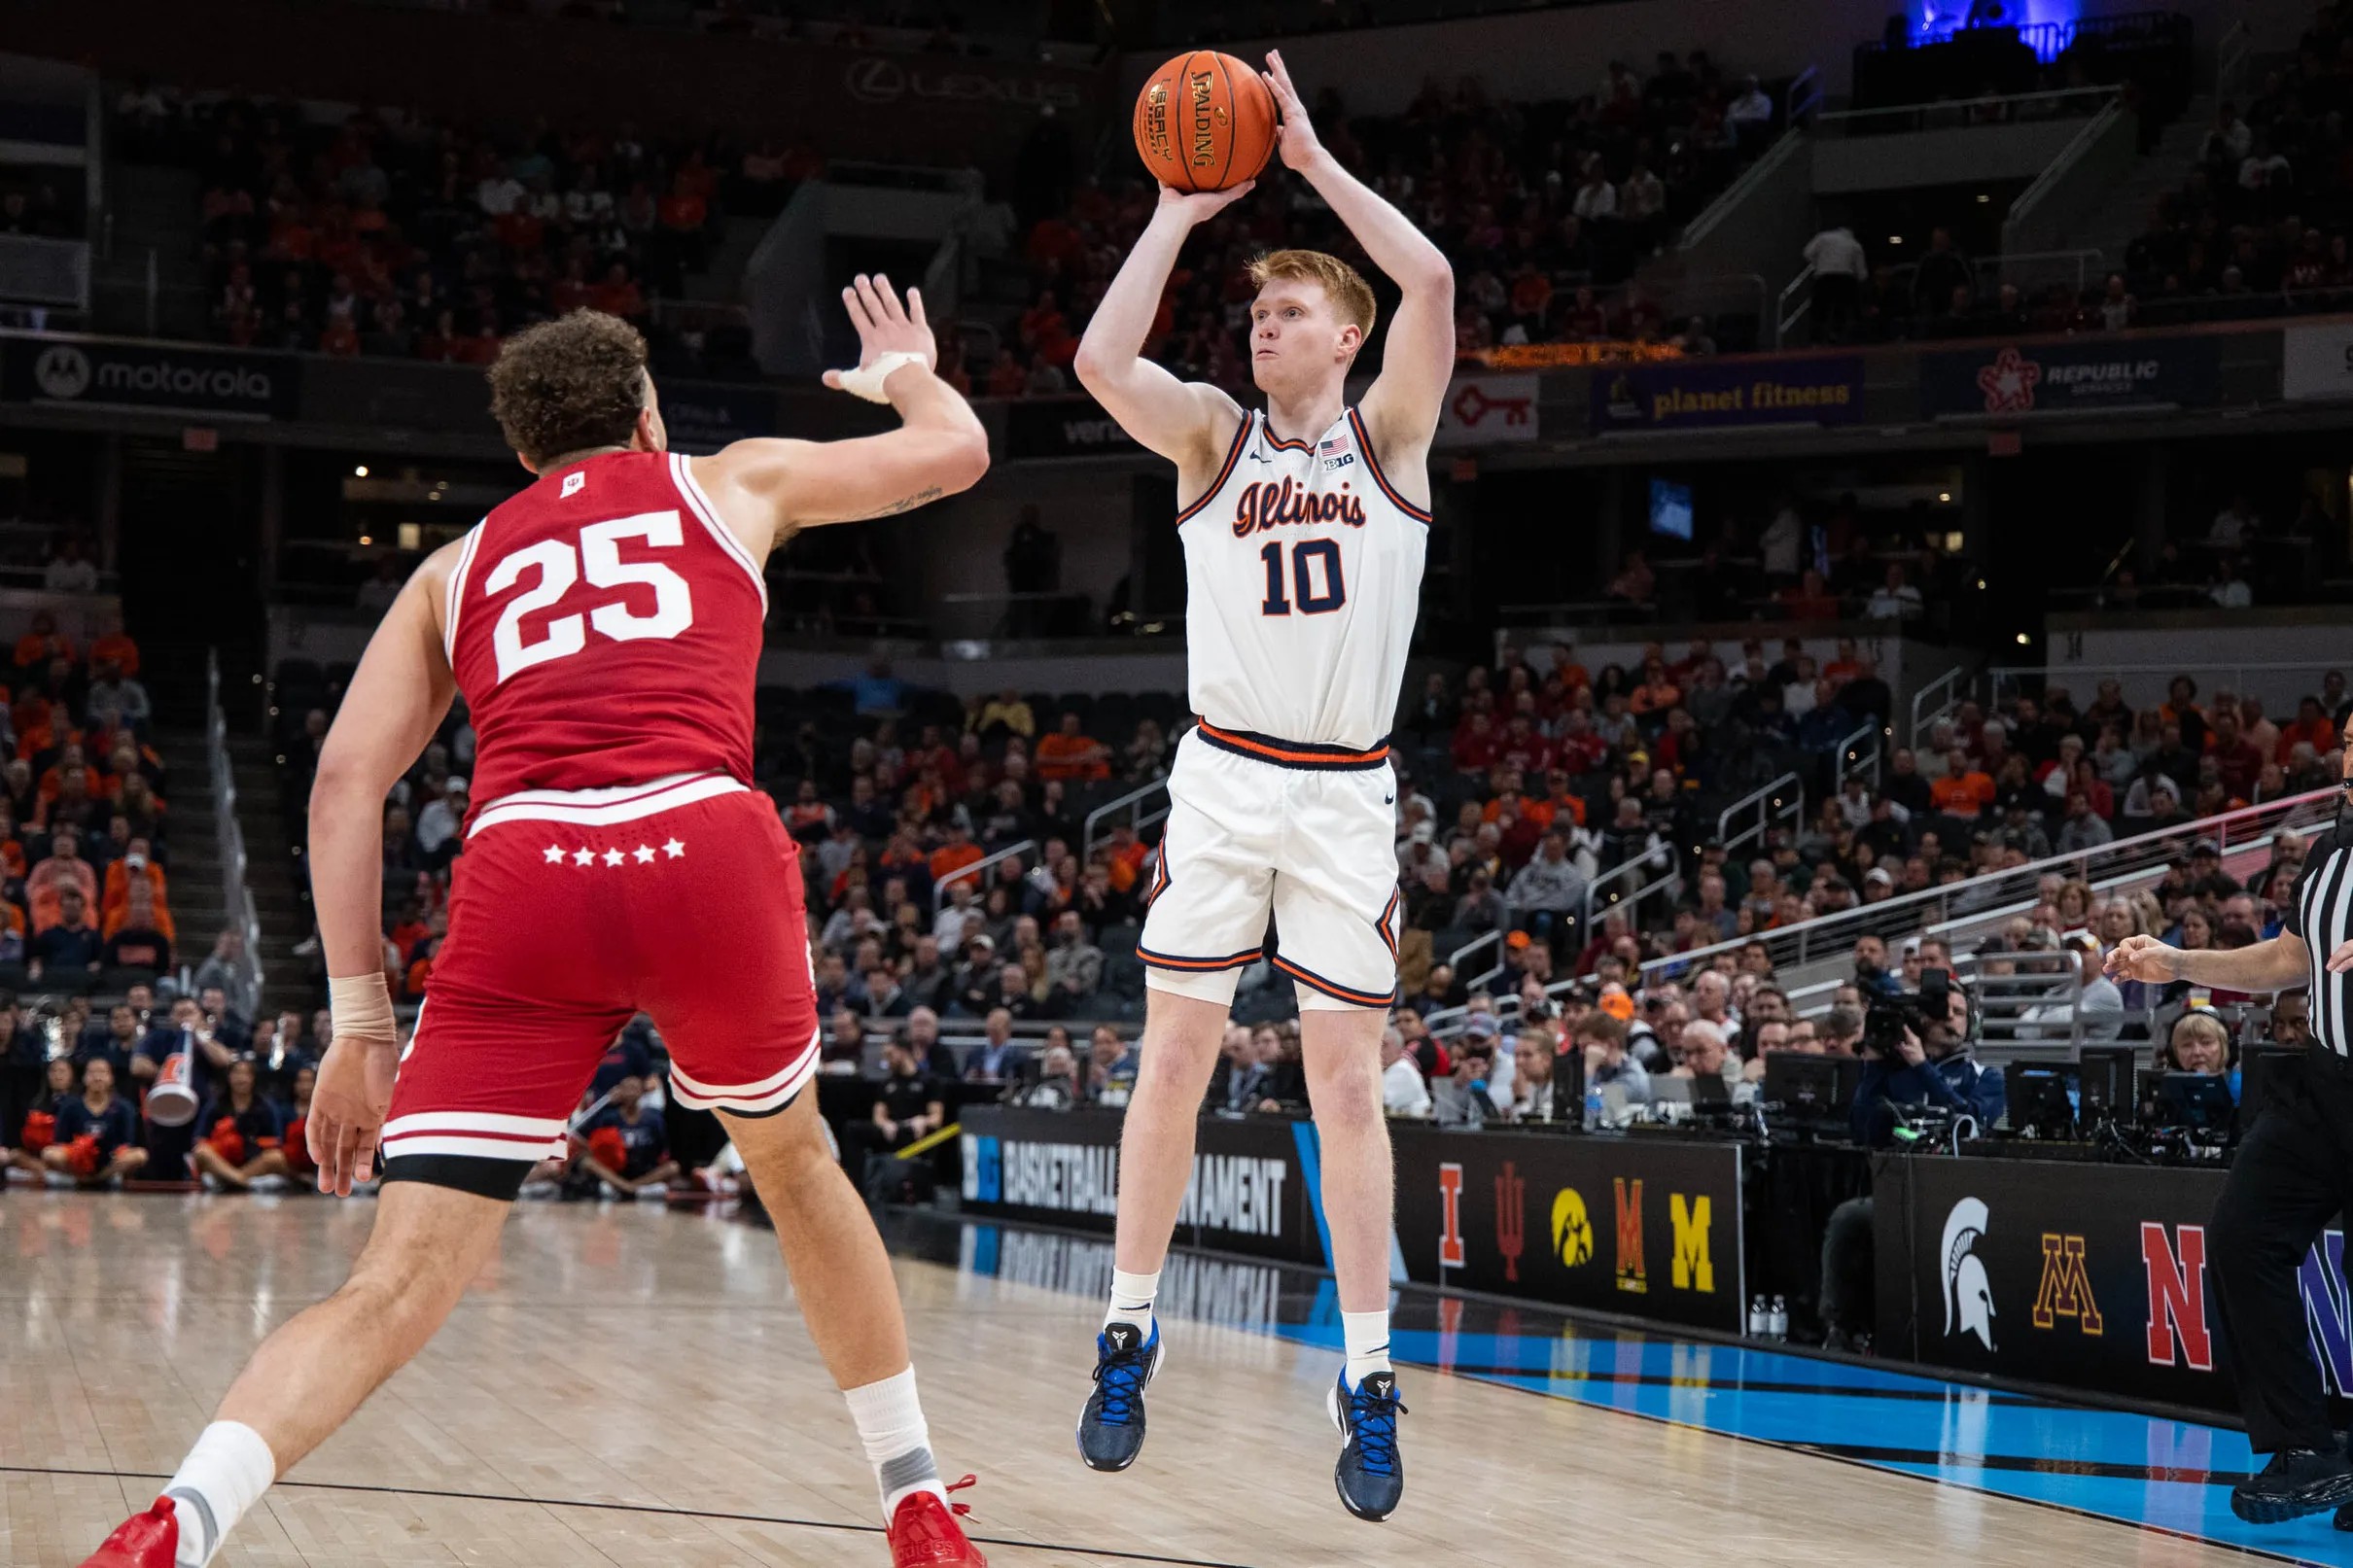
(2067, 1287)
(1511, 1219)
(1632, 1275)
(1449, 1204)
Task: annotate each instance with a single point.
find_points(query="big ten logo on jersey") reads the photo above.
(2065, 1290)
(559, 566)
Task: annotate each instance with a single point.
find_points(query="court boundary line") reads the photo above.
(635, 1508)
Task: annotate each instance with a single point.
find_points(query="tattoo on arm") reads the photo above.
(930, 493)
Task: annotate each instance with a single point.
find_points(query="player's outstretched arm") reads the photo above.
(1418, 358)
(397, 700)
(938, 449)
(1187, 422)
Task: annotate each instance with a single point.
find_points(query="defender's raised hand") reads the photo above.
(885, 325)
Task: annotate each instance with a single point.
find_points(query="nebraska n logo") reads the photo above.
(2066, 1288)
(1511, 1219)
(1450, 1204)
(2177, 1297)
(1631, 1272)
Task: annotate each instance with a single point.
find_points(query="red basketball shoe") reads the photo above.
(923, 1534)
(151, 1540)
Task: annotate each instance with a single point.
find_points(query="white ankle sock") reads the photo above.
(891, 1424)
(222, 1476)
(1366, 1335)
(1131, 1298)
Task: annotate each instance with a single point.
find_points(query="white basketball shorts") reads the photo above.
(1260, 827)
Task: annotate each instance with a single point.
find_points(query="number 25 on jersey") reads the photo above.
(599, 559)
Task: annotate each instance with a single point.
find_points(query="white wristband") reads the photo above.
(867, 380)
(362, 1009)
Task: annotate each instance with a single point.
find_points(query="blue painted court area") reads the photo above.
(2141, 1470)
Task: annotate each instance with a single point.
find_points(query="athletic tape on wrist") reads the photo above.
(867, 382)
(362, 1009)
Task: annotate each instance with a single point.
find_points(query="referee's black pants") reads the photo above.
(2293, 1173)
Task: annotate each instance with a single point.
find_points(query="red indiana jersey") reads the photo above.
(605, 629)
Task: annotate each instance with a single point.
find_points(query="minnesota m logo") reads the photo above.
(2067, 1287)
(1695, 1263)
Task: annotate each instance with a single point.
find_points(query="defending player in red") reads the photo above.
(604, 626)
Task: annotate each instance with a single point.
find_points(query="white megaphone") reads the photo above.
(172, 1100)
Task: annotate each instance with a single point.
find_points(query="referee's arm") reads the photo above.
(2281, 963)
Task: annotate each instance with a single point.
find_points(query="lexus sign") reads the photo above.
(95, 373)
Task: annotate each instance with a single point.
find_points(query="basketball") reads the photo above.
(1205, 122)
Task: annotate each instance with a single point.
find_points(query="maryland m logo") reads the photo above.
(2067, 1287)
(1631, 1273)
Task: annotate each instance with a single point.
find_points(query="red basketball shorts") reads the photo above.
(570, 911)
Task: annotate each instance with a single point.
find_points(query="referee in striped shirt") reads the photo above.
(2293, 1172)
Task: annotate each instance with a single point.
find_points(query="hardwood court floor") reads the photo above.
(630, 1386)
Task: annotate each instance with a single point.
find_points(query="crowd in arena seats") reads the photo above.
(387, 233)
(1542, 207)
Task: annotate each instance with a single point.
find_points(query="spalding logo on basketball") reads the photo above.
(1572, 1232)
(62, 371)
(1205, 122)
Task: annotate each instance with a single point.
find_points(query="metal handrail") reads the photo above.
(1951, 105)
(1137, 819)
(1767, 799)
(1922, 716)
(1786, 317)
(2233, 52)
(2059, 167)
(1630, 871)
(236, 894)
(1908, 913)
(1454, 959)
(1803, 94)
(1850, 753)
(1727, 200)
(939, 888)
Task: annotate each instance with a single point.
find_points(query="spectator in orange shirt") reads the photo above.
(2310, 725)
(43, 642)
(1125, 857)
(1657, 693)
(1070, 755)
(64, 868)
(957, 853)
(136, 869)
(114, 644)
(1964, 792)
(140, 912)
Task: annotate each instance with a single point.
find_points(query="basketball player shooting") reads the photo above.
(604, 626)
(1304, 530)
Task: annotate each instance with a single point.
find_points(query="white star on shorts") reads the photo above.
(582, 858)
(645, 855)
(612, 857)
(674, 850)
(555, 854)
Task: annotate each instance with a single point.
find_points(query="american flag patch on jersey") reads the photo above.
(1336, 443)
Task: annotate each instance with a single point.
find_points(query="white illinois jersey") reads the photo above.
(1303, 576)
(1304, 569)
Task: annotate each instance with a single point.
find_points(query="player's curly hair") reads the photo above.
(567, 385)
(1350, 296)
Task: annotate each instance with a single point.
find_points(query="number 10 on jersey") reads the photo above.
(1315, 583)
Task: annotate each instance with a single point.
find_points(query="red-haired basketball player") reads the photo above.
(1304, 529)
(604, 626)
